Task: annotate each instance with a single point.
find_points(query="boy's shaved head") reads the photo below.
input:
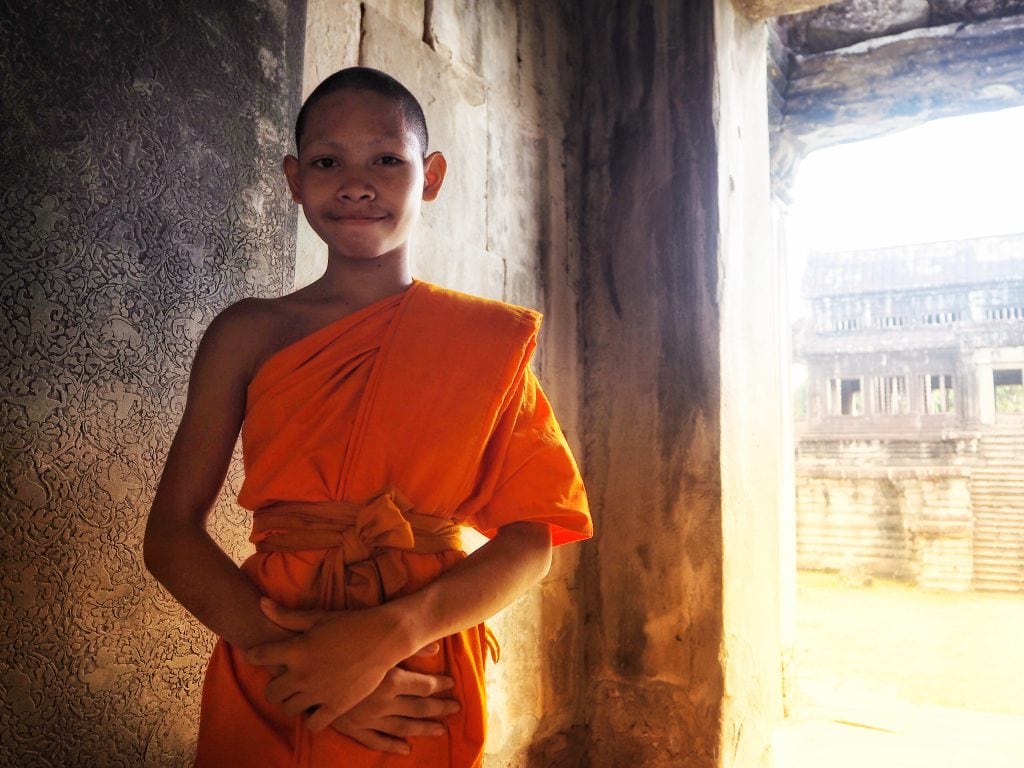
(374, 81)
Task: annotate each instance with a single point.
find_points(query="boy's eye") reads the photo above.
(390, 160)
(324, 162)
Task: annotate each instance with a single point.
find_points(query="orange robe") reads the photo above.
(366, 444)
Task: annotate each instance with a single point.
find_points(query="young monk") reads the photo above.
(378, 414)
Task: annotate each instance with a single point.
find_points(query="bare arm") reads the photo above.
(344, 654)
(178, 550)
(478, 587)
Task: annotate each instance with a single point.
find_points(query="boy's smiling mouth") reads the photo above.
(358, 218)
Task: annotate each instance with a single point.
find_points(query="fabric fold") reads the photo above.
(354, 537)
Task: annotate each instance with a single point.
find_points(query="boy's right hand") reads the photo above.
(404, 704)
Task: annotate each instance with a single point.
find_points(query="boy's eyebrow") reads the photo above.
(386, 139)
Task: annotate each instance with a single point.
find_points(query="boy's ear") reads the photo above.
(291, 172)
(434, 168)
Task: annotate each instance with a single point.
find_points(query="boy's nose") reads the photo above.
(356, 189)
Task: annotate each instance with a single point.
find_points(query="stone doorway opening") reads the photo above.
(909, 551)
(945, 617)
(909, 506)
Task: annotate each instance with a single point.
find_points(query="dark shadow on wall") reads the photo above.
(567, 749)
(649, 242)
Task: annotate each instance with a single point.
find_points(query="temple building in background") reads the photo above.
(910, 421)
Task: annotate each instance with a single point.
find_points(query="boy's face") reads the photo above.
(360, 175)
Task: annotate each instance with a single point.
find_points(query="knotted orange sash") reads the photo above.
(357, 572)
(360, 568)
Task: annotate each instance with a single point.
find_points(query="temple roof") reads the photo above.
(979, 261)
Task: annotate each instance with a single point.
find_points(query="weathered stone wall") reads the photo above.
(648, 237)
(141, 143)
(851, 523)
(679, 313)
(890, 508)
(495, 82)
(941, 513)
(648, 234)
(909, 524)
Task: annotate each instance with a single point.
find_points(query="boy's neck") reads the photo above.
(361, 282)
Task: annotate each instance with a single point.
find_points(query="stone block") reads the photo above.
(838, 25)
(332, 40)
(517, 193)
(310, 254)
(945, 563)
(458, 266)
(455, 26)
(499, 37)
(405, 14)
(522, 286)
(453, 228)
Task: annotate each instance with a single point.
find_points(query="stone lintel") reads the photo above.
(894, 83)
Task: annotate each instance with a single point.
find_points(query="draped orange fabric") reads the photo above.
(366, 444)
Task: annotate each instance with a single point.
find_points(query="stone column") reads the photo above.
(679, 310)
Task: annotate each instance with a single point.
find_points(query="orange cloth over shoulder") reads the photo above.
(366, 445)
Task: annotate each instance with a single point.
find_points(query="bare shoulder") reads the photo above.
(252, 330)
(239, 337)
(245, 315)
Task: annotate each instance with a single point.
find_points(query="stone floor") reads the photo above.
(875, 729)
(891, 677)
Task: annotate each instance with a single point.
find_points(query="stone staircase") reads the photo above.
(997, 492)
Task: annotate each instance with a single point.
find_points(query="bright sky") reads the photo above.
(945, 180)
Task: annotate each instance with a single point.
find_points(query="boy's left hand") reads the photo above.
(338, 660)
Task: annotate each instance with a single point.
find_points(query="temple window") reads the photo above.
(890, 321)
(944, 317)
(1004, 313)
(939, 395)
(845, 324)
(1009, 386)
(844, 397)
(890, 395)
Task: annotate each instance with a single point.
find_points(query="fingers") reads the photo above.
(427, 650)
(390, 727)
(320, 719)
(425, 707)
(378, 741)
(299, 703)
(281, 688)
(407, 726)
(267, 655)
(407, 683)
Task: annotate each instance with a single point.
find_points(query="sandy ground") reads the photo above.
(888, 676)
